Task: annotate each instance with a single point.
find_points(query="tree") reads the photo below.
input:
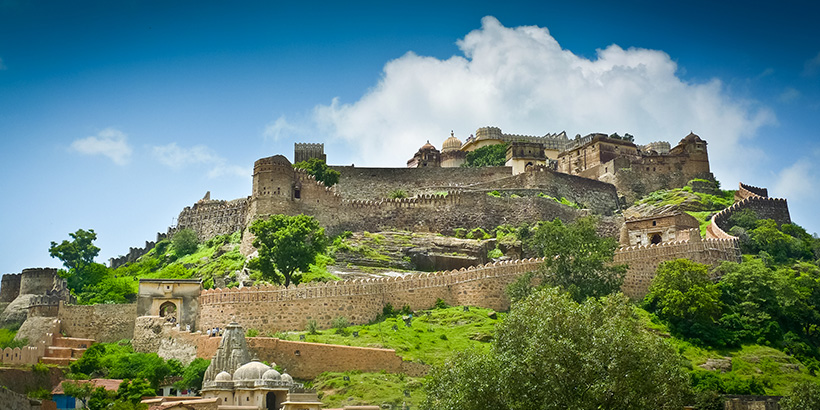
(319, 169)
(193, 374)
(752, 294)
(554, 353)
(804, 396)
(487, 156)
(77, 253)
(185, 241)
(683, 295)
(286, 244)
(577, 259)
(134, 390)
(80, 390)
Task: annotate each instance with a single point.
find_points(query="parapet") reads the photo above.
(9, 287)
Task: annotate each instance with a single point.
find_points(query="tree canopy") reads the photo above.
(185, 241)
(77, 253)
(577, 259)
(286, 244)
(319, 169)
(487, 156)
(554, 353)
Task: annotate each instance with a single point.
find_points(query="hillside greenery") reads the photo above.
(487, 156)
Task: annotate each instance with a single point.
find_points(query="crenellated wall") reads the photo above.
(9, 287)
(212, 218)
(135, 253)
(643, 261)
(751, 198)
(273, 309)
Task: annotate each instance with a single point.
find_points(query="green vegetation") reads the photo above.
(286, 245)
(185, 241)
(804, 396)
(7, 339)
(560, 354)
(422, 340)
(577, 260)
(368, 389)
(319, 169)
(494, 194)
(398, 194)
(562, 200)
(487, 156)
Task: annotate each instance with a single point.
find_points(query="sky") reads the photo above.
(114, 116)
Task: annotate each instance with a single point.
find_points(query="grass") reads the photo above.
(422, 341)
(704, 218)
(368, 389)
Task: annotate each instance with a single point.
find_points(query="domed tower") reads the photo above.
(427, 156)
(693, 147)
(451, 154)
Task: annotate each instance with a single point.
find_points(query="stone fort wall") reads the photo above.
(9, 287)
(751, 198)
(273, 309)
(103, 323)
(643, 261)
(212, 218)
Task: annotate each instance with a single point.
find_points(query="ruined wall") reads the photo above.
(212, 218)
(643, 261)
(103, 323)
(370, 183)
(273, 309)
(135, 253)
(9, 287)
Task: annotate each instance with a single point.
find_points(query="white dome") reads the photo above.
(250, 371)
(451, 143)
(286, 378)
(271, 374)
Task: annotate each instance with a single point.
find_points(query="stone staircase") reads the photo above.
(64, 350)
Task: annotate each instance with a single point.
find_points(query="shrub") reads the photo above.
(185, 242)
(495, 253)
(388, 311)
(494, 194)
(459, 232)
(340, 324)
(478, 233)
(398, 194)
(252, 333)
(312, 327)
(441, 304)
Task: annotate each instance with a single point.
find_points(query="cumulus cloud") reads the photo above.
(792, 181)
(521, 80)
(176, 157)
(812, 66)
(281, 128)
(109, 142)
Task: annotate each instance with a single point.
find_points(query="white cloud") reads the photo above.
(176, 157)
(792, 182)
(521, 80)
(812, 66)
(109, 142)
(788, 95)
(281, 128)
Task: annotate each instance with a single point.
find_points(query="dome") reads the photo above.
(250, 371)
(271, 374)
(451, 143)
(427, 147)
(223, 376)
(286, 378)
(279, 160)
(692, 137)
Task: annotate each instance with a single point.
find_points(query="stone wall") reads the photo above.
(103, 323)
(17, 401)
(9, 287)
(212, 218)
(749, 197)
(135, 253)
(643, 261)
(274, 309)
(635, 182)
(369, 183)
(37, 281)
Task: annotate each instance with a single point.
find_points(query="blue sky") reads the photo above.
(116, 115)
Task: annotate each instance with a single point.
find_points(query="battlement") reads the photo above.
(9, 287)
(748, 191)
(303, 151)
(751, 198)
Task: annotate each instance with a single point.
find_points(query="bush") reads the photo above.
(441, 304)
(495, 253)
(312, 327)
(252, 333)
(398, 194)
(340, 324)
(185, 242)
(478, 233)
(460, 232)
(494, 194)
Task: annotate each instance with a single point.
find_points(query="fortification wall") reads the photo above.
(749, 197)
(635, 182)
(135, 253)
(643, 261)
(103, 323)
(748, 191)
(600, 197)
(370, 183)
(212, 218)
(273, 309)
(37, 281)
(9, 287)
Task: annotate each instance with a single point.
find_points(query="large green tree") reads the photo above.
(554, 353)
(804, 396)
(77, 253)
(286, 245)
(683, 294)
(319, 169)
(577, 259)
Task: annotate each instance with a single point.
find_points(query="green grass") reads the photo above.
(704, 219)
(368, 389)
(696, 201)
(421, 342)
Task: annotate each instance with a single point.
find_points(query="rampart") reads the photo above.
(749, 197)
(37, 281)
(212, 218)
(103, 323)
(273, 309)
(135, 253)
(9, 287)
(643, 261)
(369, 183)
